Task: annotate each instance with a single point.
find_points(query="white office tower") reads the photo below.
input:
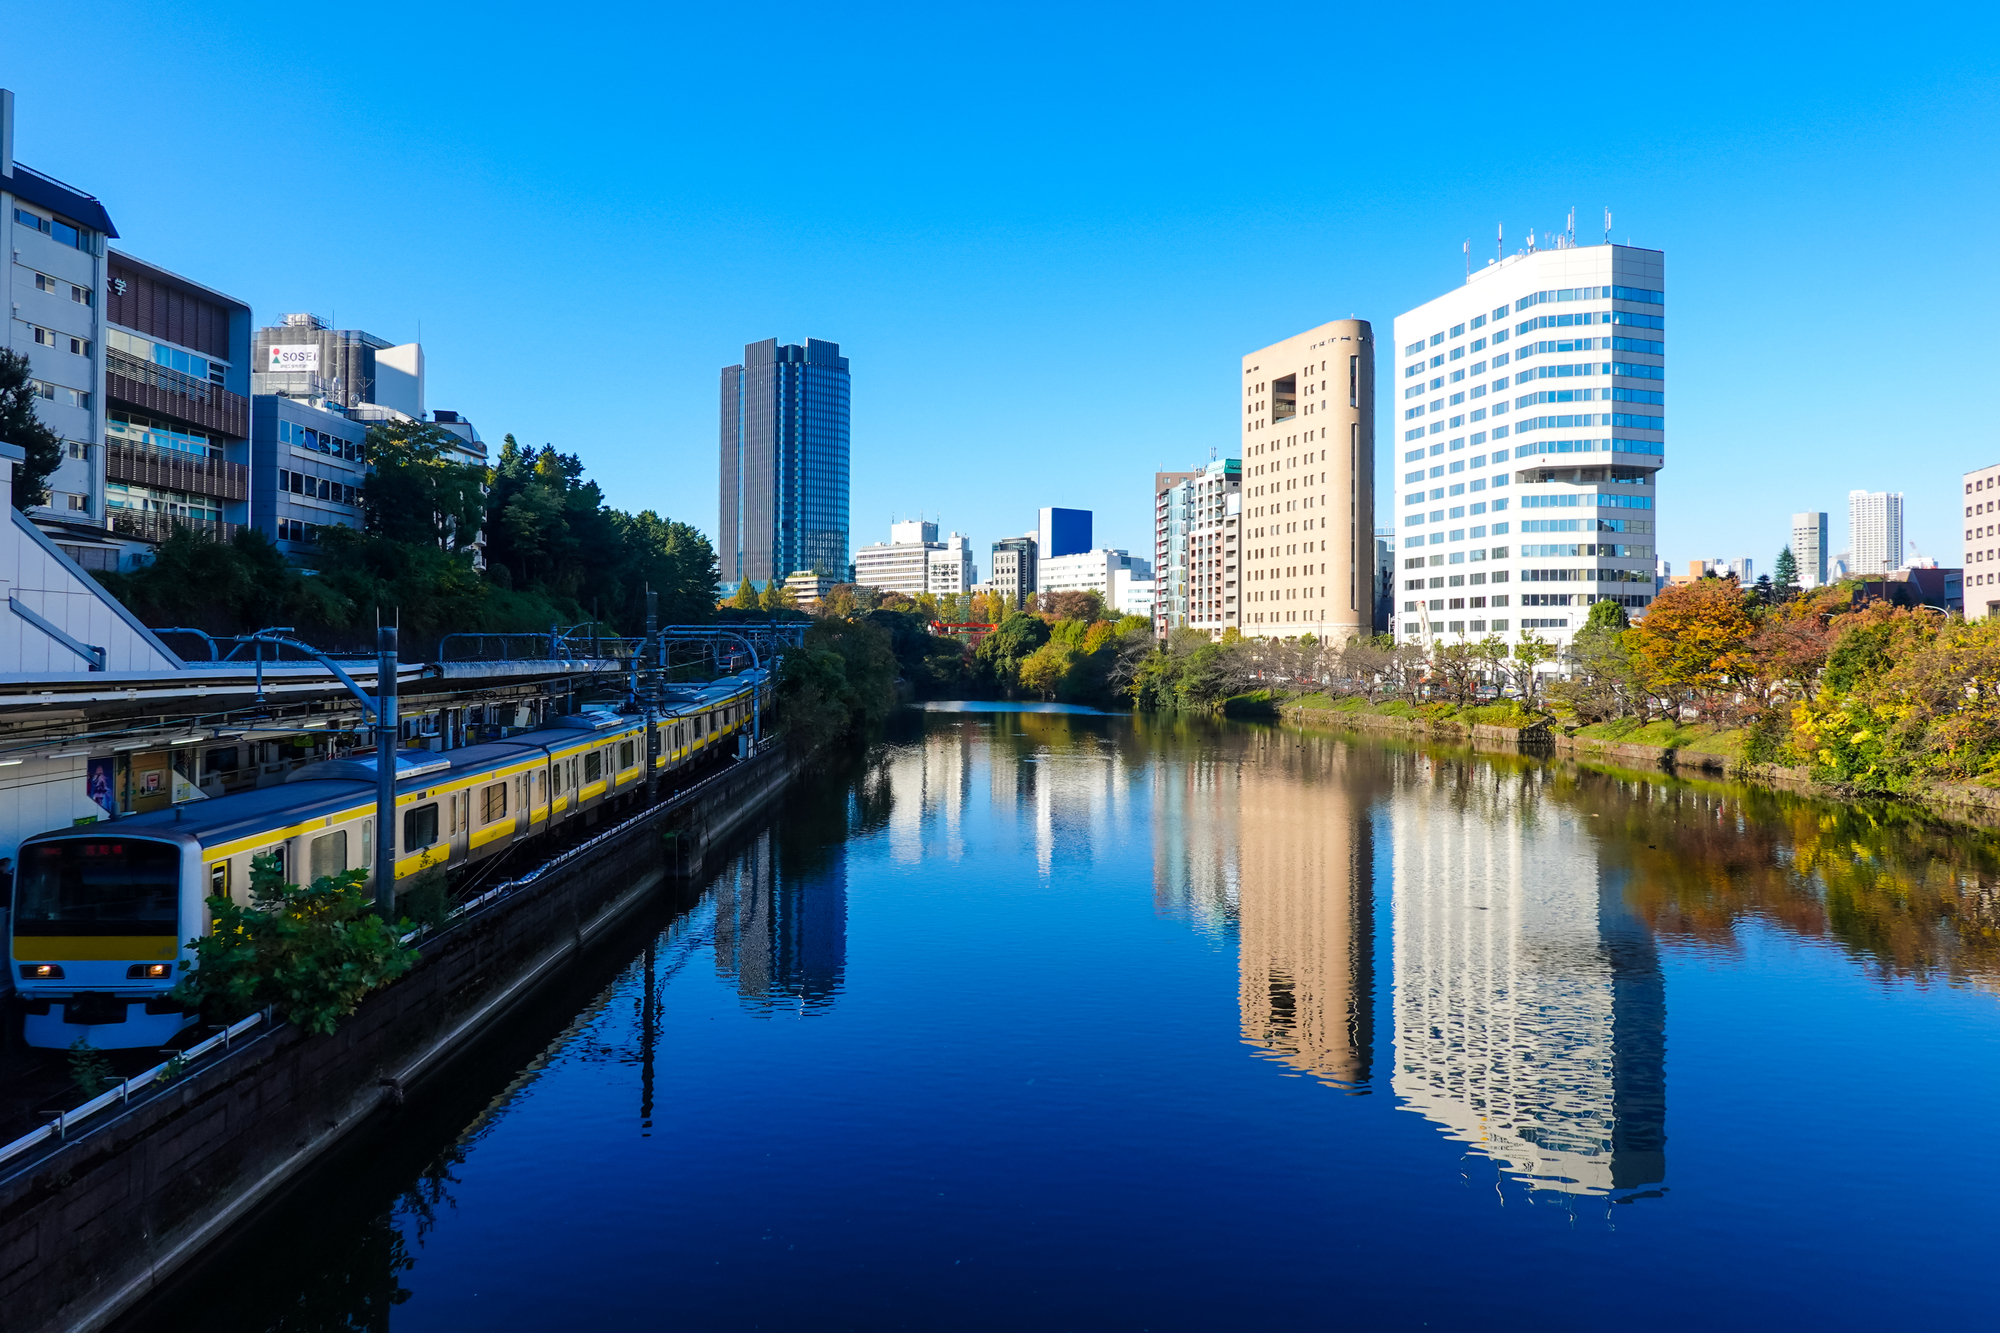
(1809, 547)
(1530, 1009)
(1529, 432)
(1875, 531)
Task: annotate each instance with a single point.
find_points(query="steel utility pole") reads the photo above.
(652, 709)
(386, 739)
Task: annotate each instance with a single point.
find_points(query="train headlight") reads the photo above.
(41, 972)
(147, 971)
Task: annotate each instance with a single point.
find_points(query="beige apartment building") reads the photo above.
(1982, 542)
(1309, 484)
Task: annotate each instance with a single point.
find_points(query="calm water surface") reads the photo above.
(1060, 1020)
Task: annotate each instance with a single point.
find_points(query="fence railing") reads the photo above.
(59, 1127)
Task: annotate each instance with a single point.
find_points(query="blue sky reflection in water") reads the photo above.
(1052, 1020)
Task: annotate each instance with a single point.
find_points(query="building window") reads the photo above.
(60, 232)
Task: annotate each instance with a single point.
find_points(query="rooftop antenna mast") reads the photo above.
(1500, 240)
(1572, 226)
(1607, 224)
(1468, 258)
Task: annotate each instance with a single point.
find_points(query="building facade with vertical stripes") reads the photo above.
(784, 463)
(1308, 407)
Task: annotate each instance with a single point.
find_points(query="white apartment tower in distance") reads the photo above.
(1197, 548)
(1530, 419)
(1875, 531)
(1309, 485)
(1809, 547)
(1982, 545)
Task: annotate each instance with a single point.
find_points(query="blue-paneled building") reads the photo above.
(784, 463)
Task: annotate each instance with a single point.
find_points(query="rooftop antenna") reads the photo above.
(1468, 258)
(1572, 224)
(1607, 224)
(1500, 240)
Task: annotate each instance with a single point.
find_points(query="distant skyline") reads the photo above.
(1046, 237)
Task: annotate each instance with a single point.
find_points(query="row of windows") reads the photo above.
(156, 432)
(62, 287)
(1585, 575)
(294, 530)
(61, 342)
(1637, 526)
(60, 232)
(1583, 598)
(1615, 551)
(317, 441)
(1457, 331)
(60, 393)
(1459, 558)
(1476, 533)
(1640, 295)
(1563, 345)
(1457, 627)
(1567, 371)
(1586, 500)
(1626, 318)
(191, 364)
(1476, 579)
(1458, 603)
(1559, 396)
(1632, 370)
(318, 488)
(1613, 445)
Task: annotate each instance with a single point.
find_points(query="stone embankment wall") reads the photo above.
(88, 1229)
(1480, 735)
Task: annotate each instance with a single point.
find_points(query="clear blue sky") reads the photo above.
(1045, 234)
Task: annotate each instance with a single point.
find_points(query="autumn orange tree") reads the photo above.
(1691, 643)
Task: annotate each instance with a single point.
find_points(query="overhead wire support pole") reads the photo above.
(382, 708)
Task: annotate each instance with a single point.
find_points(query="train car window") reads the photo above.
(593, 766)
(220, 761)
(420, 827)
(368, 843)
(492, 802)
(627, 755)
(218, 880)
(278, 859)
(99, 886)
(697, 724)
(329, 854)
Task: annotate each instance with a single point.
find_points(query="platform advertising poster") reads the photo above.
(98, 782)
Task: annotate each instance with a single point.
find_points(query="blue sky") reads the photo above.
(1045, 235)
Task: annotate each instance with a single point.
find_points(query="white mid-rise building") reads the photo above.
(949, 569)
(1515, 509)
(1092, 571)
(1809, 547)
(1875, 531)
(1982, 542)
(1198, 548)
(1134, 596)
(901, 564)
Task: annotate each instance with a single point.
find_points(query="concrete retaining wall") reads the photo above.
(89, 1229)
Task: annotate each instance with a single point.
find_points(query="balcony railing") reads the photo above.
(169, 469)
(160, 389)
(154, 527)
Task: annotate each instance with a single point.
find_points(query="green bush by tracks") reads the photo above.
(310, 953)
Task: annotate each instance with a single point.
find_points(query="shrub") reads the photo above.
(310, 953)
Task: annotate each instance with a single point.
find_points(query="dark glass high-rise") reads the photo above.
(784, 462)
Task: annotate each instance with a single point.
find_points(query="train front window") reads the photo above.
(99, 886)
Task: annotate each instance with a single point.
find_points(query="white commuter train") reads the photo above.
(103, 913)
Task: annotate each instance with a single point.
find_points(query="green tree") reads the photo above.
(311, 953)
(20, 426)
(417, 492)
(746, 596)
(1785, 573)
(1529, 653)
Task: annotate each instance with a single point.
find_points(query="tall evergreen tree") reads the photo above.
(20, 426)
(1786, 573)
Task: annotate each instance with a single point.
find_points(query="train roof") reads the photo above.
(226, 818)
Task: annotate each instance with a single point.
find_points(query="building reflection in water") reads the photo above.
(1529, 1005)
(1305, 955)
(781, 929)
(1197, 871)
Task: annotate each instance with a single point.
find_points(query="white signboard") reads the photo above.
(294, 357)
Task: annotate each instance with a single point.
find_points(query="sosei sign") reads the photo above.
(294, 357)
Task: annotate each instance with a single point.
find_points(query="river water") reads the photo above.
(1047, 1019)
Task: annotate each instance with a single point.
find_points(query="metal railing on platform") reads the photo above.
(59, 1127)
